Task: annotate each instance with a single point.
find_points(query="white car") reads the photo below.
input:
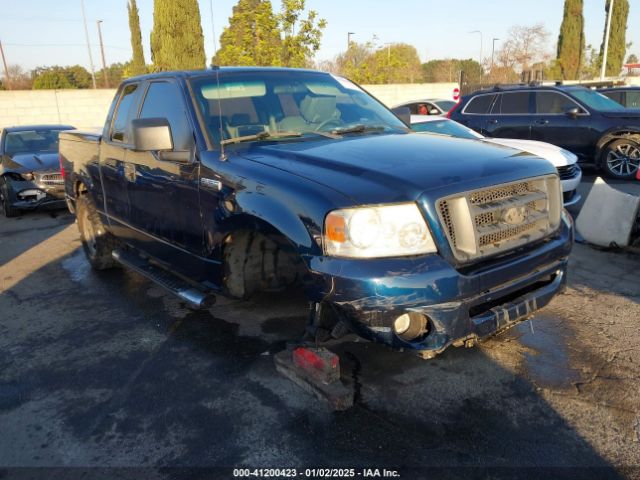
(430, 106)
(565, 162)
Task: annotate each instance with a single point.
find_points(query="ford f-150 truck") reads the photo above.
(237, 180)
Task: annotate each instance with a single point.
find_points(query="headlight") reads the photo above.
(28, 176)
(381, 231)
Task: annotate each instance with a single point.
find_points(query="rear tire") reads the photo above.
(7, 208)
(98, 244)
(621, 158)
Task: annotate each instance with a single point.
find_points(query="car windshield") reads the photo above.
(445, 105)
(446, 127)
(596, 100)
(262, 106)
(31, 141)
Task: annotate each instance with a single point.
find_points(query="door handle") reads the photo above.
(542, 122)
(493, 121)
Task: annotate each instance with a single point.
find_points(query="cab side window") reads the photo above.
(552, 103)
(120, 125)
(163, 100)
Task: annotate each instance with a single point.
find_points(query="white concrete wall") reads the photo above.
(392, 95)
(80, 108)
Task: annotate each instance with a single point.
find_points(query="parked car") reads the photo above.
(564, 161)
(594, 127)
(29, 171)
(237, 180)
(429, 106)
(628, 97)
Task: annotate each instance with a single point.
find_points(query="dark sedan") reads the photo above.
(30, 174)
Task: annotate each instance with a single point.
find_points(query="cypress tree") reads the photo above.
(252, 37)
(617, 37)
(571, 42)
(177, 42)
(138, 65)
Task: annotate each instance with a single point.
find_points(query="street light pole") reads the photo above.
(104, 63)
(349, 39)
(6, 70)
(86, 34)
(493, 49)
(606, 42)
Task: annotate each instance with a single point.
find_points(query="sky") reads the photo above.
(43, 32)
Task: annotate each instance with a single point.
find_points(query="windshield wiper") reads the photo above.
(260, 136)
(360, 128)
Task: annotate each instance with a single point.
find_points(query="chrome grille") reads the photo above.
(486, 221)
(52, 179)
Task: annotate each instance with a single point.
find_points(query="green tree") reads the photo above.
(177, 42)
(617, 37)
(61, 77)
(395, 63)
(115, 73)
(633, 58)
(51, 78)
(301, 36)
(354, 63)
(252, 36)
(571, 41)
(448, 70)
(137, 66)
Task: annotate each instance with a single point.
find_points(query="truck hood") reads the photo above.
(396, 168)
(32, 162)
(559, 157)
(632, 113)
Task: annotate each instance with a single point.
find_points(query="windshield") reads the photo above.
(596, 100)
(446, 127)
(445, 105)
(31, 141)
(272, 105)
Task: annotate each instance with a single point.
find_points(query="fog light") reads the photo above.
(402, 323)
(411, 325)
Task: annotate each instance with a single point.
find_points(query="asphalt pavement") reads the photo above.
(105, 375)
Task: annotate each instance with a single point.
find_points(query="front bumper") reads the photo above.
(461, 305)
(48, 197)
(569, 189)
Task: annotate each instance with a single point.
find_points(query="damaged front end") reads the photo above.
(33, 190)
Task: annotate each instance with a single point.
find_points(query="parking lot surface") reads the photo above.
(108, 370)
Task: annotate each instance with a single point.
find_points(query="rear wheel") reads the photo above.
(7, 208)
(621, 159)
(98, 244)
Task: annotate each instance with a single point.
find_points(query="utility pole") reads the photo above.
(86, 34)
(493, 50)
(104, 63)
(606, 42)
(480, 59)
(349, 39)
(6, 70)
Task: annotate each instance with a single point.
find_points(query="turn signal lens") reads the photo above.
(335, 226)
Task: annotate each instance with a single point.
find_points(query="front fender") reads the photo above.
(284, 219)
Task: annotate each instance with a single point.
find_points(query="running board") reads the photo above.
(174, 284)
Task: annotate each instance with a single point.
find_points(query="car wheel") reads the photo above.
(621, 159)
(98, 244)
(7, 208)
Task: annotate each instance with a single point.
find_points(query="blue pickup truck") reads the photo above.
(237, 180)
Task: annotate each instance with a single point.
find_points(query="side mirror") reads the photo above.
(152, 135)
(572, 112)
(404, 114)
